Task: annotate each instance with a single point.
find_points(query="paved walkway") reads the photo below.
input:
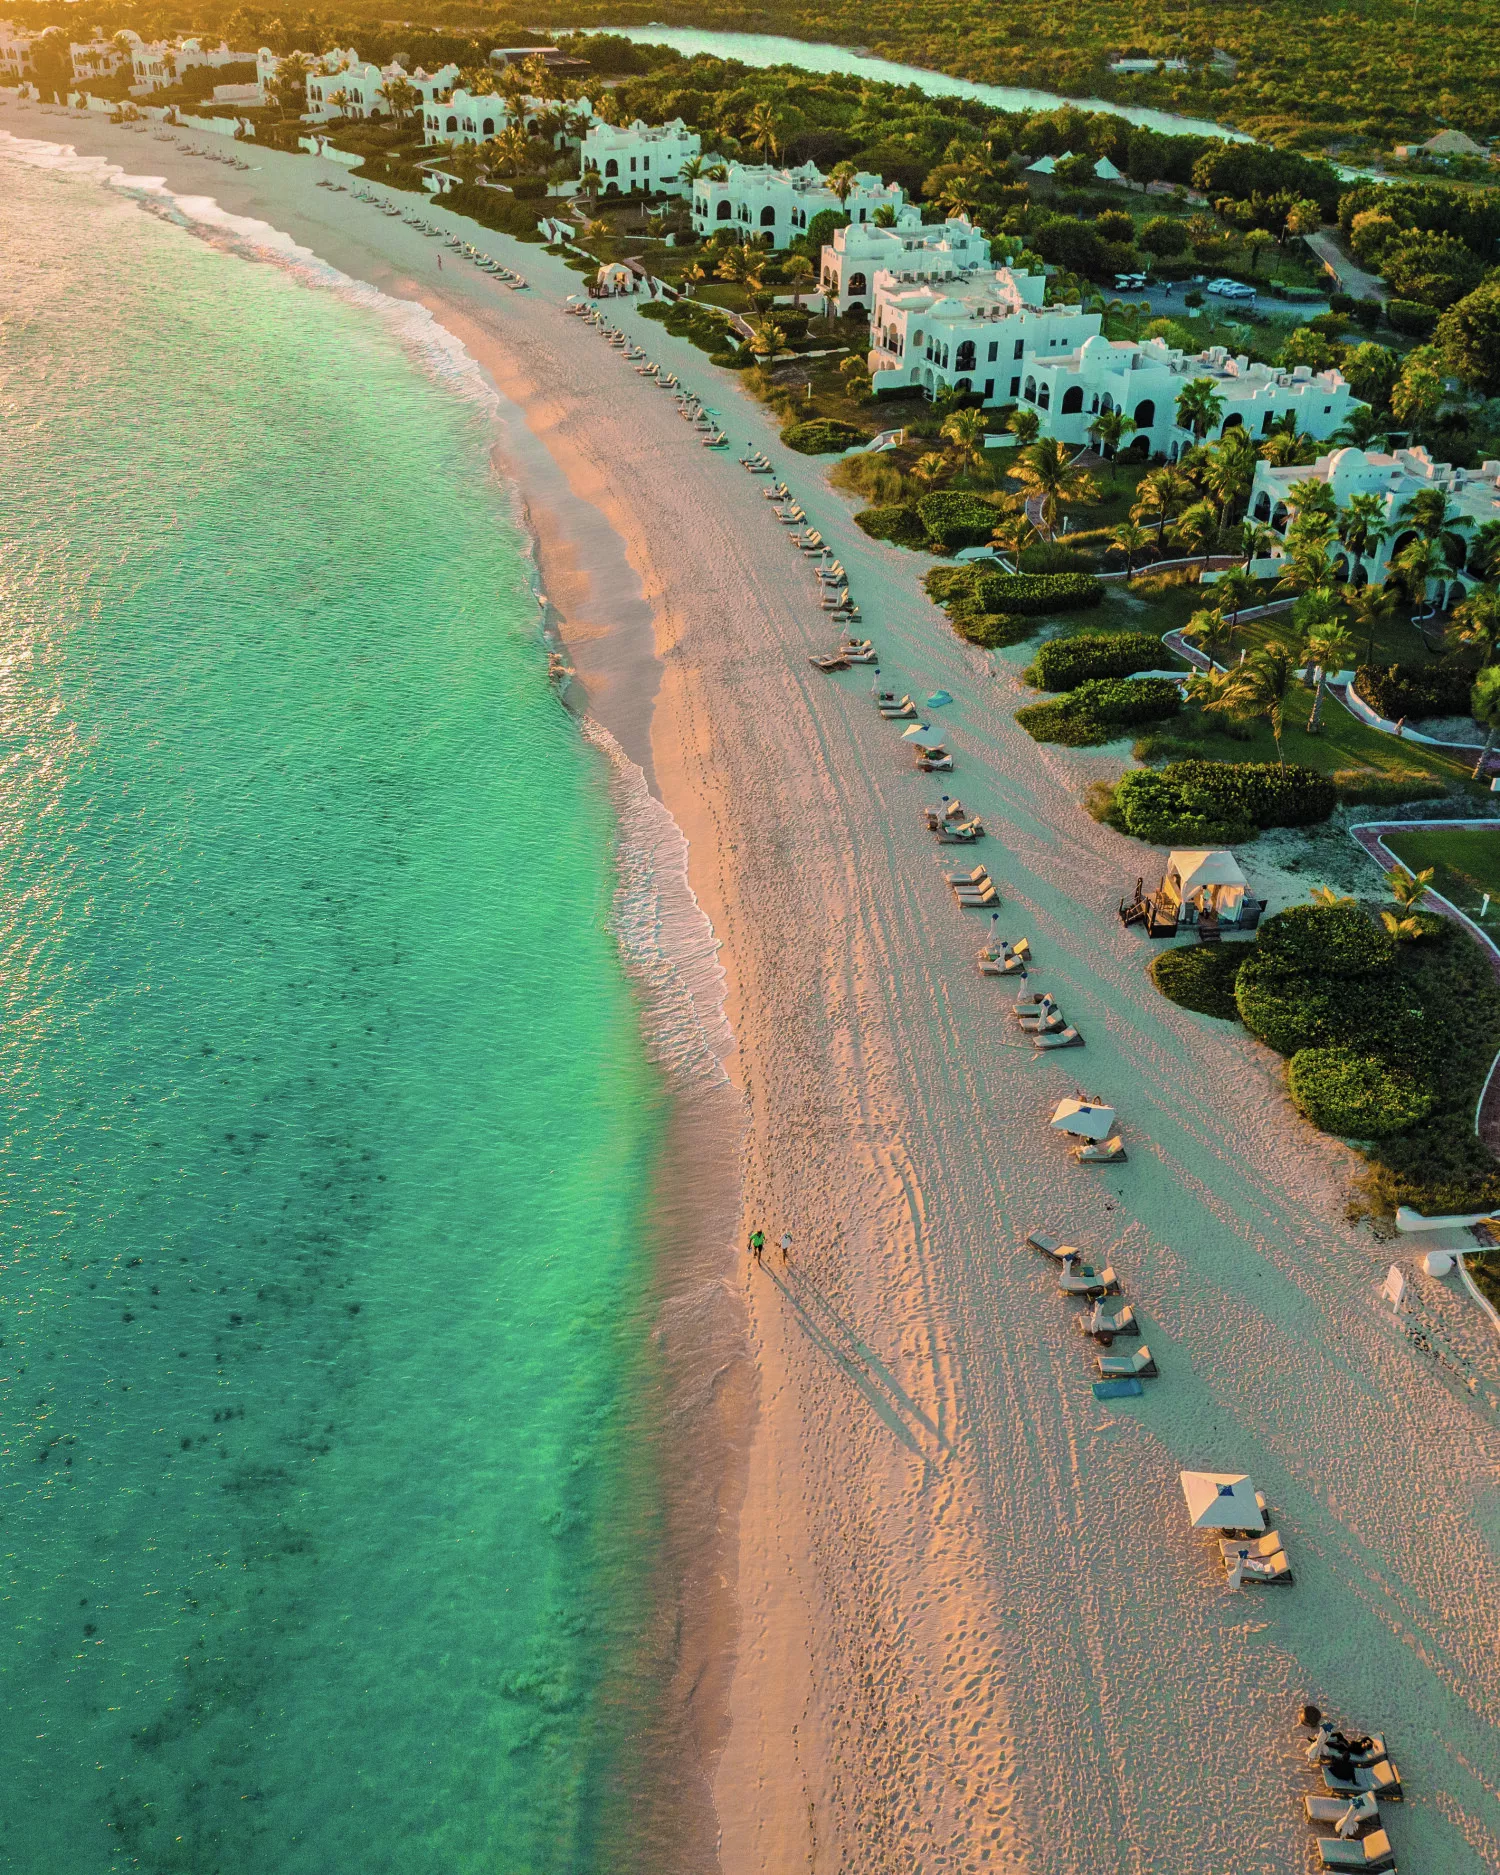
(1352, 279)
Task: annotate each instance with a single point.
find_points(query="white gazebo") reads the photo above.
(616, 278)
(1203, 885)
(1221, 1500)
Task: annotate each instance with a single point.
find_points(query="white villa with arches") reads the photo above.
(638, 158)
(1473, 497)
(162, 62)
(475, 117)
(347, 86)
(773, 206)
(971, 335)
(1145, 378)
(943, 251)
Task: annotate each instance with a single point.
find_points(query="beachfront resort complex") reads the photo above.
(755, 1126)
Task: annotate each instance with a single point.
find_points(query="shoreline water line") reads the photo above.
(665, 942)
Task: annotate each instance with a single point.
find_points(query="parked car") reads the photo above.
(1230, 289)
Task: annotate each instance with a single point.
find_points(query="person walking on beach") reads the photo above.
(757, 1243)
(786, 1248)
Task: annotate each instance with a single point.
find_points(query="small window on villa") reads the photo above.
(1016, 354)
(994, 350)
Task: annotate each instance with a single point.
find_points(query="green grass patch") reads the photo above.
(1465, 862)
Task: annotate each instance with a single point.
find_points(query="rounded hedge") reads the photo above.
(898, 524)
(824, 436)
(1200, 977)
(1355, 1096)
(958, 520)
(1032, 594)
(1324, 940)
(1064, 663)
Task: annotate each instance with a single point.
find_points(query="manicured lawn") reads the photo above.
(1465, 862)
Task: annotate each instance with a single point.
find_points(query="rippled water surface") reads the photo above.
(326, 1119)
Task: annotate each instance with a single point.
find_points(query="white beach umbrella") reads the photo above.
(923, 735)
(1085, 1117)
(1221, 1500)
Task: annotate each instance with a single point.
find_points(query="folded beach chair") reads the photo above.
(1060, 1038)
(1110, 1316)
(1139, 1363)
(959, 832)
(813, 542)
(1101, 1152)
(1383, 1779)
(1369, 1852)
(1082, 1279)
(1124, 1389)
(1052, 1024)
(896, 712)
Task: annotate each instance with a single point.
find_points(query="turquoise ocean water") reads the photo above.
(327, 1122)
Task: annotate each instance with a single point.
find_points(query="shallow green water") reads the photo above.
(326, 1119)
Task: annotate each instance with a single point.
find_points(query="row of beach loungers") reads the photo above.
(1357, 1776)
(1109, 1316)
(486, 263)
(690, 407)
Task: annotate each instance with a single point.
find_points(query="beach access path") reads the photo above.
(972, 1629)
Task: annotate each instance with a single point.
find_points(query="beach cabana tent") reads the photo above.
(615, 277)
(923, 735)
(1105, 170)
(1203, 884)
(1221, 1500)
(1045, 165)
(1085, 1118)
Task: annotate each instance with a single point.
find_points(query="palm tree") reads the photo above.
(1109, 429)
(1024, 424)
(1361, 528)
(764, 126)
(958, 197)
(965, 430)
(690, 170)
(1418, 564)
(1478, 620)
(1255, 541)
(1199, 407)
(1367, 606)
(1047, 476)
(403, 97)
(1484, 706)
(1484, 551)
(1284, 448)
(1210, 689)
(1160, 495)
(1258, 687)
(1328, 645)
(798, 269)
(1408, 889)
(1230, 468)
(1197, 529)
(1313, 501)
(1360, 428)
(841, 180)
(1205, 624)
(1307, 564)
(930, 469)
(1427, 511)
(768, 339)
(1131, 540)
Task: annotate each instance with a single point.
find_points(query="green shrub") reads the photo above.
(1412, 316)
(1398, 690)
(823, 436)
(946, 585)
(1152, 808)
(491, 209)
(1051, 556)
(731, 361)
(1326, 940)
(1201, 977)
(1219, 803)
(1289, 1013)
(958, 520)
(1064, 663)
(1439, 1168)
(1357, 788)
(993, 630)
(529, 188)
(899, 525)
(1095, 711)
(1355, 1096)
(1033, 594)
(659, 309)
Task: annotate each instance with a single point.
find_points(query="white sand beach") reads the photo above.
(970, 1629)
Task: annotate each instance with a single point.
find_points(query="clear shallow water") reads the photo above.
(327, 1122)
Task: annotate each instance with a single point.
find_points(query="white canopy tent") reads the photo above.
(924, 735)
(1204, 884)
(1085, 1118)
(1221, 1500)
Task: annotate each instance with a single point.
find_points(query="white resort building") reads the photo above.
(1473, 498)
(973, 334)
(773, 206)
(347, 86)
(15, 50)
(475, 117)
(623, 159)
(1144, 379)
(857, 253)
(101, 58)
(162, 62)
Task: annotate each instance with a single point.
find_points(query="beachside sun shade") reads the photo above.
(1221, 1500)
(1084, 1117)
(923, 735)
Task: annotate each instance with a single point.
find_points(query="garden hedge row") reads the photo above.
(1415, 690)
(1218, 802)
(1033, 594)
(958, 520)
(1097, 710)
(1414, 317)
(898, 524)
(1064, 663)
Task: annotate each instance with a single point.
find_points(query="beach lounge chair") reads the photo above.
(1270, 1569)
(1120, 1389)
(1350, 1779)
(896, 712)
(859, 650)
(1053, 1247)
(946, 809)
(1255, 1546)
(1329, 1742)
(1370, 1852)
(1110, 1316)
(977, 900)
(833, 662)
(934, 761)
(1082, 1279)
(1351, 1815)
(1034, 1008)
(1101, 1152)
(1051, 1024)
(976, 875)
(1138, 1363)
(1060, 1038)
(1008, 961)
(959, 832)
